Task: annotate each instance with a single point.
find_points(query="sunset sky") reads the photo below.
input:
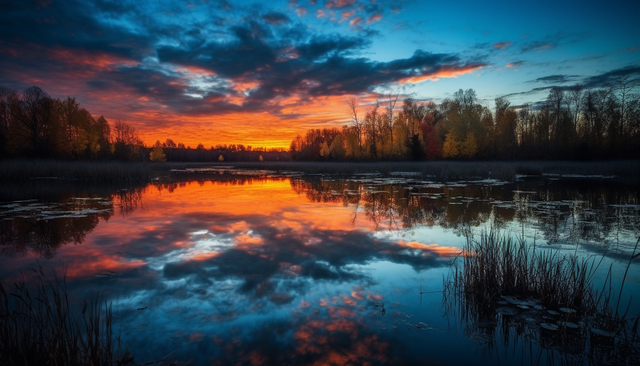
(258, 73)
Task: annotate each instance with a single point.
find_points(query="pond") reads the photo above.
(226, 266)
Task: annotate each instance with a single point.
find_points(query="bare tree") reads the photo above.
(574, 101)
(33, 115)
(353, 104)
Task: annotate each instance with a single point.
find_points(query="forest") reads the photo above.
(573, 123)
(35, 125)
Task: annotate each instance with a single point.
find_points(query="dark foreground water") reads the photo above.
(233, 267)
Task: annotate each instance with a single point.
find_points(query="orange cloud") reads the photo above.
(374, 18)
(435, 248)
(301, 11)
(502, 45)
(445, 72)
(514, 64)
(339, 3)
(347, 14)
(356, 21)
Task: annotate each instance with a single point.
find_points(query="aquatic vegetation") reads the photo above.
(41, 327)
(508, 287)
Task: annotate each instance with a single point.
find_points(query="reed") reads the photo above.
(40, 327)
(545, 294)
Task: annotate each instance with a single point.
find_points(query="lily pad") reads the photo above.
(602, 333)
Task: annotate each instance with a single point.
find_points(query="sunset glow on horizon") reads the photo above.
(258, 74)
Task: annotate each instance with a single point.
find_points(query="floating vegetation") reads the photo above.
(508, 291)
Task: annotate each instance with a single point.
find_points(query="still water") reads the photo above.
(254, 267)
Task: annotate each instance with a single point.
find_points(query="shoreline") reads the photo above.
(107, 172)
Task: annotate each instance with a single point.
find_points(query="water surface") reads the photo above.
(229, 267)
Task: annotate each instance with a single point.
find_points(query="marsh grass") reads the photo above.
(40, 327)
(504, 285)
(499, 265)
(76, 171)
(139, 172)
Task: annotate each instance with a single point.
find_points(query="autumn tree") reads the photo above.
(157, 154)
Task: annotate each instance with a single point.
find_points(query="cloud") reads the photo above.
(502, 45)
(603, 80)
(374, 18)
(613, 76)
(552, 41)
(157, 64)
(73, 25)
(339, 3)
(346, 15)
(538, 46)
(555, 79)
(515, 64)
(275, 18)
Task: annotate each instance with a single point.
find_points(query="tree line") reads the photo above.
(572, 123)
(35, 125)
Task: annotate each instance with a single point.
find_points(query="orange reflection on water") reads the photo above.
(271, 199)
(442, 251)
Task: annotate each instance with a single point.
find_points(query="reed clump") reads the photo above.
(506, 286)
(40, 327)
(497, 265)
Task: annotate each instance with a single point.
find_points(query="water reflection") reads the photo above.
(43, 226)
(558, 211)
(232, 268)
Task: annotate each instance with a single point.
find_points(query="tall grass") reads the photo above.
(498, 265)
(547, 295)
(39, 327)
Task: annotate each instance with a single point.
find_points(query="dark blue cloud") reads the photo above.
(612, 77)
(275, 18)
(555, 79)
(73, 25)
(267, 48)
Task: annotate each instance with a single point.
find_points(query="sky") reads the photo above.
(259, 73)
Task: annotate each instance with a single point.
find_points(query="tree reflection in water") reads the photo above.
(230, 249)
(565, 211)
(43, 227)
(560, 211)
